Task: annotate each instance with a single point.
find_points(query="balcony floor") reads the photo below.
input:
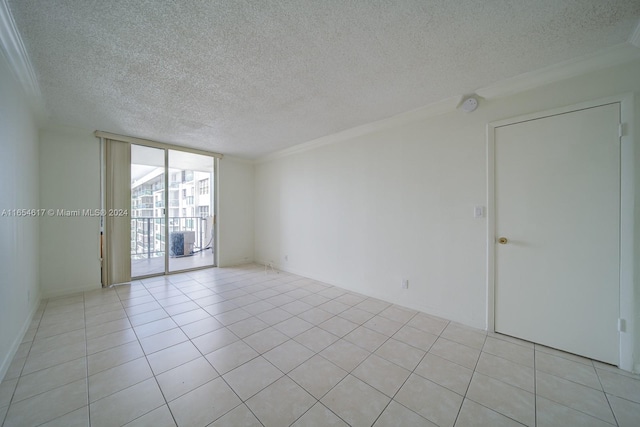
(155, 265)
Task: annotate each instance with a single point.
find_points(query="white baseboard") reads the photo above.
(71, 290)
(8, 358)
(235, 262)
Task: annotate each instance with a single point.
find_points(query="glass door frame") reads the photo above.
(214, 200)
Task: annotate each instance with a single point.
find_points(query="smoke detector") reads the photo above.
(469, 105)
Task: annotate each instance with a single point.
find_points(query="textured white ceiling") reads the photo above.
(247, 78)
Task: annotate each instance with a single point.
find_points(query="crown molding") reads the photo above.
(605, 58)
(241, 160)
(431, 110)
(13, 50)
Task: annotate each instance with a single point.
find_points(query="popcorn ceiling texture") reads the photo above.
(247, 78)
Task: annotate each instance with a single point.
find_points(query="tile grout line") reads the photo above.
(119, 345)
(412, 372)
(29, 353)
(348, 373)
(242, 402)
(606, 396)
(155, 378)
(500, 380)
(318, 400)
(286, 374)
(464, 397)
(578, 384)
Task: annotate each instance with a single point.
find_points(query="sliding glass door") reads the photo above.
(172, 211)
(147, 211)
(191, 219)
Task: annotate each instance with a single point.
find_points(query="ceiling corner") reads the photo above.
(13, 49)
(634, 39)
(608, 57)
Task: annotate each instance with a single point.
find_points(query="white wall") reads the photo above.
(235, 211)
(19, 289)
(365, 213)
(69, 180)
(398, 203)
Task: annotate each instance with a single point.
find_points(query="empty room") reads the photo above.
(320, 213)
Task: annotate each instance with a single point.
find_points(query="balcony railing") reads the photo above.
(140, 193)
(143, 206)
(144, 229)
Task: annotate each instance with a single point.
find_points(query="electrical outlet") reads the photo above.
(622, 325)
(405, 283)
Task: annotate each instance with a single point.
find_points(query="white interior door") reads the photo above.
(557, 194)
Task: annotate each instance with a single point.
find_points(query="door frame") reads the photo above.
(627, 309)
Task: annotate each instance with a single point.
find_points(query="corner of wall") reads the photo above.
(236, 185)
(19, 186)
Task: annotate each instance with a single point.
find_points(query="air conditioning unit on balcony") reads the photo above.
(181, 243)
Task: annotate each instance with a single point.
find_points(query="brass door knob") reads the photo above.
(502, 240)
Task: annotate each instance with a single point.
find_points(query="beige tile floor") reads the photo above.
(242, 347)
